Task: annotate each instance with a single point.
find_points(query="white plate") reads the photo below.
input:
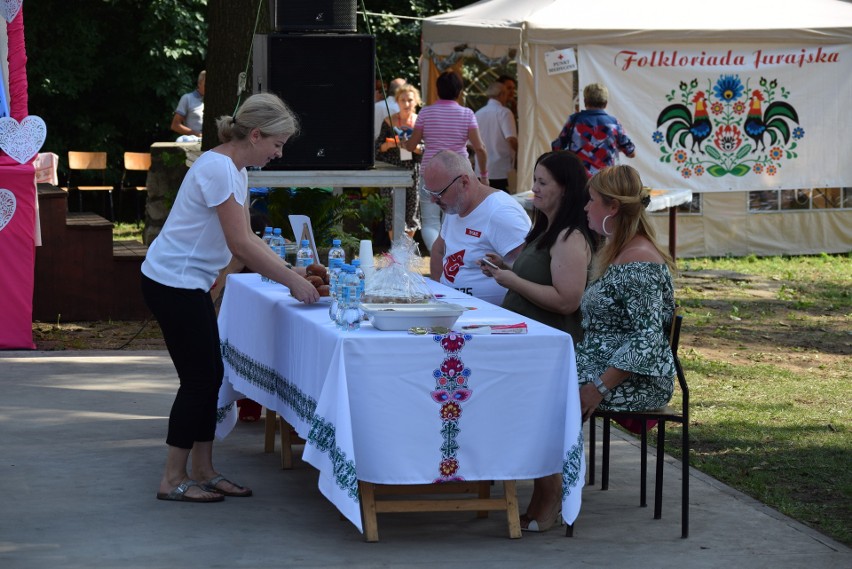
(405, 316)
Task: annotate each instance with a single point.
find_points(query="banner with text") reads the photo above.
(733, 117)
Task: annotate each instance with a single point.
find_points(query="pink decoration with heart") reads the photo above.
(8, 203)
(10, 8)
(22, 141)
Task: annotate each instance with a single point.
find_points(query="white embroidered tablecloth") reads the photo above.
(394, 408)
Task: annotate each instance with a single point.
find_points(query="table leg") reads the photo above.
(288, 439)
(512, 515)
(672, 231)
(368, 511)
(484, 494)
(269, 431)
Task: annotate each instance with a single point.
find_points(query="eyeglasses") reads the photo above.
(447, 187)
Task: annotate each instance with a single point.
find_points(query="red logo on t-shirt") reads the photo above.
(452, 265)
(473, 232)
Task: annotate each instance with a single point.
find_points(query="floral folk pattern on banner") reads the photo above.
(739, 135)
(451, 390)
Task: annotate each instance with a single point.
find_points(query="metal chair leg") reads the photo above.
(605, 459)
(658, 483)
(684, 505)
(592, 449)
(643, 468)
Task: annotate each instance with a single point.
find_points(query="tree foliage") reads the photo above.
(398, 39)
(107, 74)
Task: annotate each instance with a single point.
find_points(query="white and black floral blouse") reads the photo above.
(627, 315)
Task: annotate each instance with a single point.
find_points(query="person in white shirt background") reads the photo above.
(189, 114)
(500, 135)
(383, 105)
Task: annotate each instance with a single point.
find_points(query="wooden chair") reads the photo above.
(664, 415)
(134, 162)
(79, 162)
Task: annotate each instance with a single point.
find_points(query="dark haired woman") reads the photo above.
(547, 280)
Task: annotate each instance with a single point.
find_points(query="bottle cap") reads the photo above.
(305, 242)
(267, 229)
(335, 242)
(276, 231)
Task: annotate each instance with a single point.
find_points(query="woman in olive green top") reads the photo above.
(547, 280)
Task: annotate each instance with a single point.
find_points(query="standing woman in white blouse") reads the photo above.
(208, 228)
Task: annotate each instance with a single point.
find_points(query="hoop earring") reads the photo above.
(603, 226)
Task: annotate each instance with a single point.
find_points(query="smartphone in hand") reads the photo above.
(485, 261)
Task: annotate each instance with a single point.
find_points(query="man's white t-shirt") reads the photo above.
(191, 249)
(498, 225)
(496, 124)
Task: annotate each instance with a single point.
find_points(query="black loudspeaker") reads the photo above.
(329, 82)
(312, 16)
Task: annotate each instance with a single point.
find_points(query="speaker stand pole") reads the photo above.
(398, 195)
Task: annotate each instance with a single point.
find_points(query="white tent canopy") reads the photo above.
(534, 27)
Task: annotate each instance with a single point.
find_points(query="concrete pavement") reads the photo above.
(81, 453)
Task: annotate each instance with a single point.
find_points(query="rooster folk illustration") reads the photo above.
(684, 123)
(773, 120)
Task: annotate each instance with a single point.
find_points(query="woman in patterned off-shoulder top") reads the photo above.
(624, 361)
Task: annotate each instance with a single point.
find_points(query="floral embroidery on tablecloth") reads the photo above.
(451, 390)
(269, 380)
(571, 465)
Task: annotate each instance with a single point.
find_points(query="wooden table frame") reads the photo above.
(482, 503)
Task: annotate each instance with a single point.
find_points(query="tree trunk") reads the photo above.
(229, 36)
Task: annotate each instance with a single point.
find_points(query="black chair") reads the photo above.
(664, 415)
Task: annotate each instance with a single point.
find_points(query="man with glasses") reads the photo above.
(478, 219)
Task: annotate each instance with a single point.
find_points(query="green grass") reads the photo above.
(127, 231)
(769, 376)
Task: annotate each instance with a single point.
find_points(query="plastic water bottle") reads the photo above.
(349, 311)
(342, 295)
(334, 271)
(277, 243)
(336, 252)
(356, 263)
(305, 255)
(267, 238)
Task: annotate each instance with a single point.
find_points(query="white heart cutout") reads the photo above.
(10, 9)
(22, 140)
(8, 204)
